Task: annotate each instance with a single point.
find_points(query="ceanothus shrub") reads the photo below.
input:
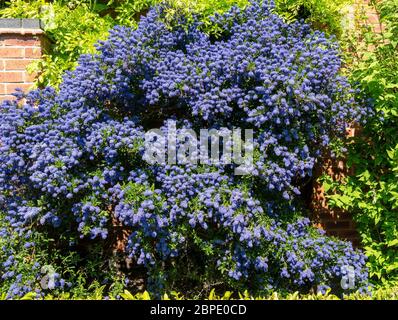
(72, 161)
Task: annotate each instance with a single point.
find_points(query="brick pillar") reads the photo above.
(21, 42)
(337, 222)
(371, 14)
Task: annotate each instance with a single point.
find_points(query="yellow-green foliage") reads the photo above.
(371, 195)
(321, 14)
(74, 26)
(380, 294)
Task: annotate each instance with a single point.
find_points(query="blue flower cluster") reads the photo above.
(73, 159)
(19, 270)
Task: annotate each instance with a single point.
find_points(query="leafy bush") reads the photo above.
(72, 29)
(380, 294)
(29, 255)
(321, 14)
(72, 167)
(372, 194)
(74, 26)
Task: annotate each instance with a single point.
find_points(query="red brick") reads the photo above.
(327, 214)
(356, 243)
(337, 225)
(377, 28)
(348, 234)
(10, 87)
(9, 97)
(373, 18)
(332, 233)
(17, 64)
(9, 52)
(34, 52)
(11, 76)
(2, 88)
(19, 40)
(30, 77)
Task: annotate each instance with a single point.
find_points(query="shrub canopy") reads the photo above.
(73, 159)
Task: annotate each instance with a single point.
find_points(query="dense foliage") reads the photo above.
(73, 29)
(325, 15)
(74, 26)
(372, 193)
(98, 294)
(71, 166)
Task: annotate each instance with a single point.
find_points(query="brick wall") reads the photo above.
(338, 222)
(334, 221)
(372, 16)
(21, 42)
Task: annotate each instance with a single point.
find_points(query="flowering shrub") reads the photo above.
(371, 195)
(76, 25)
(71, 162)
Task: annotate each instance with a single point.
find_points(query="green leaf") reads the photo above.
(29, 296)
(212, 295)
(392, 267)
(391, 153)
(393, 243)
(126, 295)
(146, 296)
